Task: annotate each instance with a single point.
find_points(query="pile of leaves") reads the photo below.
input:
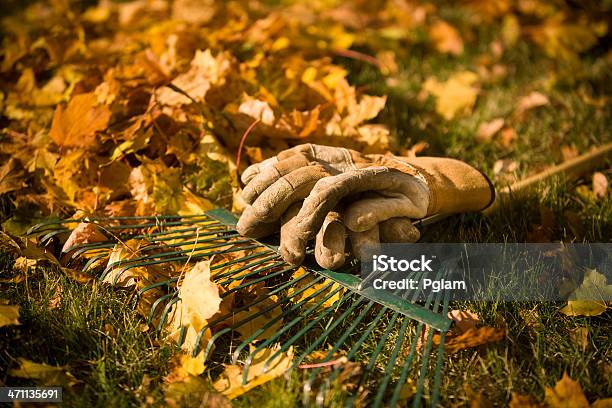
(140, 107)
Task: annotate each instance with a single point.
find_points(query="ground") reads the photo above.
(95, 330)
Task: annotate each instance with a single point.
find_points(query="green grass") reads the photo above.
(92, 329)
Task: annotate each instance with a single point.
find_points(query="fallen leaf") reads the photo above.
(507, 137)
(566, 394)
(464, 319)
(9, 315)
(193, 391)
(456, 95)
(43, 374)
(266, 310)
(12, 176)
(533, 100)
(487, 130)
(562, 39)
(199, 296)
(205, 71)
(77, 124)
(257, 110)
(471, 338)
(194, 11)
(446, 38)
(84, 233)
(199, 301)
(230, 383)
(574, 220)
(600, 184)
(584, 308)
(602, 403)
(8, 244)
(523, 401)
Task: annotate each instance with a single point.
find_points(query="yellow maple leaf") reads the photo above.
(454, 96)
(230, 382)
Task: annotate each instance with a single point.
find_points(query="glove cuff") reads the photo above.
(454, 186)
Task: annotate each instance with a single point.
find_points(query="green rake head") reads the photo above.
(316, 309)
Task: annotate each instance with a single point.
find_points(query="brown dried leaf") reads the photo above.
(471, 338)
(487, 130)
(76, 125)
(12, 176)
(533, 100)
(84, 233)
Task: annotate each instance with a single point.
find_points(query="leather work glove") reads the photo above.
(372, 197)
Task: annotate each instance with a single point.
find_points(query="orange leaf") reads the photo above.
(472, 338)
(77, 124)
(566, 394)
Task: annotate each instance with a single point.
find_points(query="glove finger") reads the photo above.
(327, 192)
(275, 200)
(256, 168)
(367, 212)
(330, 242)
(364, 239)
(399, 229)
(251, 227)
(270, 174)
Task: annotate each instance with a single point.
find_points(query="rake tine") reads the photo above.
(230, 274)
(242, 259)
(130, 262)
(323, 336)
(255, 272)
(164, 316)
(375, 354)
(285, 313)
(156, 285)
(155, 304)
(210, 343)
(343, 338)
(293, 339)
(261, 279)
(391, 363)
(352, 352)
(440, 358)
(426, 352)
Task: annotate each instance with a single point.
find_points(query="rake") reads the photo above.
(319, 309)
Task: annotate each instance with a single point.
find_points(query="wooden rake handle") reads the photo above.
(570, 169)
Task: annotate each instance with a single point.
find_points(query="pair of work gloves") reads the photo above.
(331, 193)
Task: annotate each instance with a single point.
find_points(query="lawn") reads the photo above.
(541, 70)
